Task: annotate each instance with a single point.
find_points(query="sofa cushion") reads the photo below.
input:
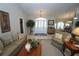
(13, 47)
(5, 41)
(7, 35)
(6, 38)
(17, 36)
(58, 40)
(68, 35)
(14, 36)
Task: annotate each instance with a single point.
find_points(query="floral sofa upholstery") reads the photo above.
(10, 43)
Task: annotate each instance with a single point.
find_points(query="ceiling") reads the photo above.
(48, 9)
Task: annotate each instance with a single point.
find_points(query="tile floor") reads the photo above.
(48, 49)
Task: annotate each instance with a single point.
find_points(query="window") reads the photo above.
(59, 25)
(40, 25)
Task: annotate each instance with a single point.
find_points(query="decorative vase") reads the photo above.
(28, 47)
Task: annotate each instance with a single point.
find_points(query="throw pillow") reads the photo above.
(20, 36)
(58, 36)
(14, 36)
(5, 41)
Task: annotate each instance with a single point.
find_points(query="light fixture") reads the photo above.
(41, 13)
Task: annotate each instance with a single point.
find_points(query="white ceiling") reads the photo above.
(48, 9)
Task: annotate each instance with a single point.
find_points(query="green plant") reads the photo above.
(34, 43)
(30, 23)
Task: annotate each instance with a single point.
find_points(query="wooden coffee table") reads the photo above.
(71, 46)
(34, 51)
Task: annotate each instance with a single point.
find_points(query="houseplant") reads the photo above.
(30, 24)
(34, 43)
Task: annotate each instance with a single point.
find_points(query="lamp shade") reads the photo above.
(75, 31)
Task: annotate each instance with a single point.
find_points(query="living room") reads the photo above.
(45, 25)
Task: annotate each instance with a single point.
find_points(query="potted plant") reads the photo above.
(34, 43)
(30, 24)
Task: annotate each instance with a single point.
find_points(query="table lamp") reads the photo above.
(76, 31)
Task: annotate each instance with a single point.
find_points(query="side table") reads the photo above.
(71, 46)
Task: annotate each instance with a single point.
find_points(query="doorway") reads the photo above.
(40, 26)
(21, 25)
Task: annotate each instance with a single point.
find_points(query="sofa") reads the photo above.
(57, 40)
(11, 43)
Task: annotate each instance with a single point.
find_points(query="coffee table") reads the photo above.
(34, 51)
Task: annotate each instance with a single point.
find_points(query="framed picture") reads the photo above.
(5, 23)
(51, 22)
